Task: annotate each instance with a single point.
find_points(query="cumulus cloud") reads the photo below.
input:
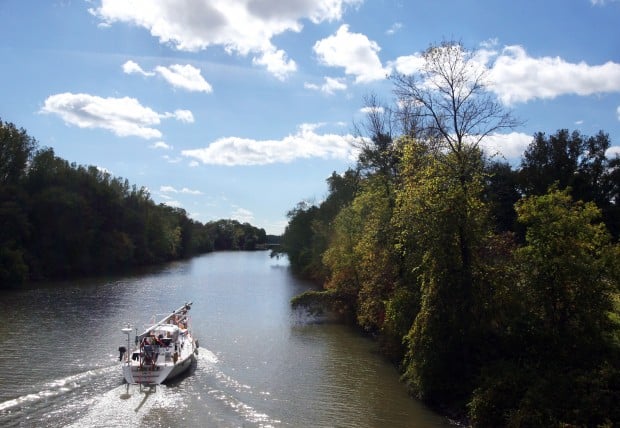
(161, 145)
(305, 143)
(372, 110)
(601, 2)
(511, 146)
(185, 77)
(122, 116)
(354, 52)
(184, 190)
(173, 204)
(242, 215)
(241, 27)
(181, 115)
(518, 77)
(276, 62)
(409, 64)
(329, 87)
(612, 152)
(131, 67)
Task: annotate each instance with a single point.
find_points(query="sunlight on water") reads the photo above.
(57, 387)
(260, 364)
(227, 390)
(128, 405)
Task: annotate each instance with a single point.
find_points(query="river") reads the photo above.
(260, 364)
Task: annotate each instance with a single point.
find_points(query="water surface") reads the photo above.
(260, 363)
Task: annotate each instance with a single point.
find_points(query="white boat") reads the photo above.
(163, 351)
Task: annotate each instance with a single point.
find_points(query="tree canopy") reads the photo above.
(60, 219)
(495, 290)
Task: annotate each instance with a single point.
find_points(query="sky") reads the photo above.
(241, 109)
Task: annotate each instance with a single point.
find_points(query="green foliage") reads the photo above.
(568, 284)
(505, 322)
(59, 219)
(233, 235)
(578, 162)
(359, 258)
(490, 288)
(561, 367)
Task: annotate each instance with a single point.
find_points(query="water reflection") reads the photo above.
(259, 364)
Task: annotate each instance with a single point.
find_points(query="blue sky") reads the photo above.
(242, 108)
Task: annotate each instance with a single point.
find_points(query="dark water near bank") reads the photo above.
(260, 364)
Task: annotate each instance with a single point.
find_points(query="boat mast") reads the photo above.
(186, 307)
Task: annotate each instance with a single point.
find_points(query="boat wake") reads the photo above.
(44, 396)
(225, 390)
(57, 387)
(204, 396)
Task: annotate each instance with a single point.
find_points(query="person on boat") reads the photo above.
(156, 340)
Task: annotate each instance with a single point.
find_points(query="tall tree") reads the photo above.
(450, 99)
(454, 110)
(16, 149)
(566, 255)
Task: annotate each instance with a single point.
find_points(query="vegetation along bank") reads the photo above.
(494, 288)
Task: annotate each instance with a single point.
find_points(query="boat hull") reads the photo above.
(157, 374)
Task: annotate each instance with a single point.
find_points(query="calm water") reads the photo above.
(260, 364)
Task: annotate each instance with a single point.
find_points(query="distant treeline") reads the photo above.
(59, 219)
(494, 289)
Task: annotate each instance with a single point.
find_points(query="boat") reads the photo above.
(163, 351)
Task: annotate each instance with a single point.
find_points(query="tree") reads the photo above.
(16, 149)
(432, 208)
(501, 193)
(575, 161)
(449, 99)
(449, 102)
(568, 281)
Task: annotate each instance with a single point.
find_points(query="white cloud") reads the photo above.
(170, 159)
(369, 110)
(241, 27)
(618, 111)
(394, 28)
(601, 2)
(122, 116)
(173, 204)
(612, 152)
(518, 77)
(242, 215)
(104, 170)
(276, 63)
(168, 189)
(184, 190)
(354, 52)
(330, 86)
(131, 67)
(511, 146)
(305, 143)
(408, 64)
(161, 145)
(182, 116)
(185, 77)
(187, 191)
